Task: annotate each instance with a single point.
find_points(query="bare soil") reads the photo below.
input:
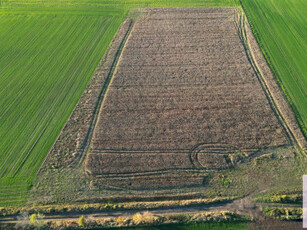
(183, 82)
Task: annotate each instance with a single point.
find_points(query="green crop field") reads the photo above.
(48, 51)
(45, 63)
(280, 27)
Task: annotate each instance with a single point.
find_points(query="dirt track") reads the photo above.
(241, 206)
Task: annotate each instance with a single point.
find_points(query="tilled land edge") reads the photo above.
(276, 92)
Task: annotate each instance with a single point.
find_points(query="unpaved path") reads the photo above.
(241, 206)
(244, 206)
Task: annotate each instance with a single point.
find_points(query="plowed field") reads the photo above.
(184, 95)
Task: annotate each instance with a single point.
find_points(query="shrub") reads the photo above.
(81, 221)
(137, 218)
(119, 220)
(36, 220)
(33, 219)
(149, 218)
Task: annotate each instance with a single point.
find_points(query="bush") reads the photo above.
(145, 218)
(119, 220)
(81, 221)
(33, 219)
(137, 218)
(36, 220)
(284, 213)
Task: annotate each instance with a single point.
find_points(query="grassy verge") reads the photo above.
(109, 206)
(141, 221)
(281, 213)
(283, 197)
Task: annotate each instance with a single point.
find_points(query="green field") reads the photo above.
(280, 27)
(84, 5)
(45, 63)
(48, 51)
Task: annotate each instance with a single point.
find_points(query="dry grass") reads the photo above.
(148, 219)
(156, 180)
(104, 206)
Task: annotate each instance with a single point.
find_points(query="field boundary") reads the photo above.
(276, 97)
(280, 83)
(103, 92)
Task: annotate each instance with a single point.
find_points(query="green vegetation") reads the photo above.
(293, 196)
(45, 63)
(83, 6)
(280, 27)
(33, 219)
(284, 213)
(81, 221)
(48, 51)
(36, 220)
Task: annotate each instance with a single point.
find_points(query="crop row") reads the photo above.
(45, 63)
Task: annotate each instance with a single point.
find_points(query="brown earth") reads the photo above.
(183, 82)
